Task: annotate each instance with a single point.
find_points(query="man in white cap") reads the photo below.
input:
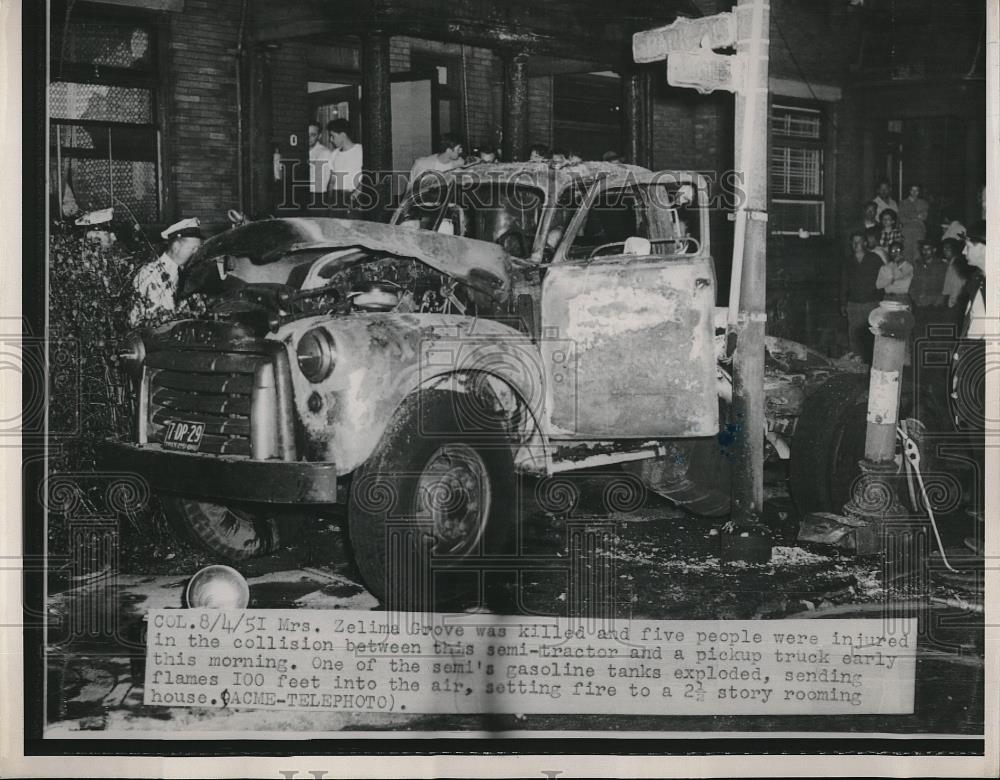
(155, 284)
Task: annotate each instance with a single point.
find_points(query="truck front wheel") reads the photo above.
(233, 532)
(437, 493)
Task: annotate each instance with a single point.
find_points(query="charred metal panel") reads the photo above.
(641, 361)
(381, 358)
(479, 264)
(791, 372)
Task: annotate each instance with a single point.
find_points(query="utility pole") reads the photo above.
(753, 21)
(688, 46)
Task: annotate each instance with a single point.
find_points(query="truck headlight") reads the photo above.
(133, 354)
(315, 355)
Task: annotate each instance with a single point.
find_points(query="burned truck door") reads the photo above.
(628, 326)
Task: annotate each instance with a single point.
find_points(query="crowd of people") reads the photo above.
(334, 169)
(937, 272)
(336, 161)
(892, 258)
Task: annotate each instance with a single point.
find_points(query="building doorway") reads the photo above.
(415, 123)
(329, 101)
(587, 113)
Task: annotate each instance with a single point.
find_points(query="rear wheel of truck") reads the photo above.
(437, 493)
(231, 531)
(829, 441)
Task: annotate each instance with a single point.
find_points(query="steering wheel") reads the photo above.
(685, 245)
(603, 249)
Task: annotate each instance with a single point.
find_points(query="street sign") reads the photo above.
(708, 32)
(705, 71)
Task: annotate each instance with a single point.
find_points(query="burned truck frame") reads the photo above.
(511, 318)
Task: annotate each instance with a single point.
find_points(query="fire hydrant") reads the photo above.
(875, 494)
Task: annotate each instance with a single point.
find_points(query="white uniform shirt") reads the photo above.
(975, 314)
(345, 168)
(976, 317)
(155, 288)
(319, 168)
(430, 163)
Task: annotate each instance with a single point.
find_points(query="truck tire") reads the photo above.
(829, 441)
(437, 491)
(235, 533)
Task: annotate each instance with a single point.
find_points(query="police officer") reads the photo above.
(968, 376)
(155, 284)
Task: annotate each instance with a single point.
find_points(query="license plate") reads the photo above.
(182, 435)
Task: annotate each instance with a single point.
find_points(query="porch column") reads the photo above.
(632, 113)
(515, 106)
(637, 99)
(638, 103)
(645, 157)
(376, 106)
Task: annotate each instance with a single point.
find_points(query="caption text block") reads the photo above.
(411, 662)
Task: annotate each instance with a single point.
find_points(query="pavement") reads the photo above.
(657, 562)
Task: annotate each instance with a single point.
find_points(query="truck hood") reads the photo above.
(259, 246)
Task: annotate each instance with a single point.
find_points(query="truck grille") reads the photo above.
(207, 387)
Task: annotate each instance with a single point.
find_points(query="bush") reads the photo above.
(90, 296)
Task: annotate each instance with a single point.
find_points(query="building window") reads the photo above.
(103, 138)
(796, 170)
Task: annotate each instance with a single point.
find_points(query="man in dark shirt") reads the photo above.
(858, 295)
(869, 218)
(927, 289)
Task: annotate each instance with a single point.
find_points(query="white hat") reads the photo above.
(184, 228)
(96, 217)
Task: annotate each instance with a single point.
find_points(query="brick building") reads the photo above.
(177, 106)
